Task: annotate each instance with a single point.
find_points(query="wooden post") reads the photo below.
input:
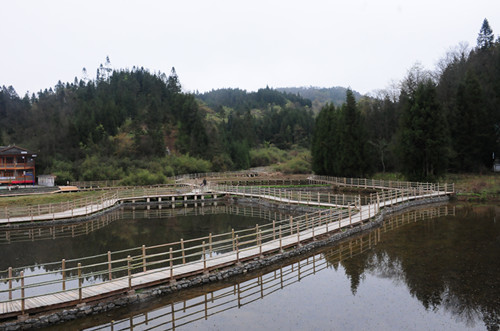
(281, 249)
(171, 265)
(237, 250)
(110, 273)
(80, 281)
(350, 222)
(233, 239)
(22, 293)
(260, 242)
(10, 283)
(210, 244)
(274, 229)
(143, 258)
(182, 252)
(312, 226)
(204, 257)
(63, 271)
(298, 234)
(129, 271)
(291, 225)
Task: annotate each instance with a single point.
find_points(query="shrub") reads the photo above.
(296, 165)
(143, 177)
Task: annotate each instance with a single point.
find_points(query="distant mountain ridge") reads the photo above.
(321, 95)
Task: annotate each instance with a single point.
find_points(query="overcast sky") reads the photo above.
(245, 44)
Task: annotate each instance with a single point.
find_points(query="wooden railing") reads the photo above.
(106, 200)
(384, 184)
(8, 235)
(77, 274)
(177, 314)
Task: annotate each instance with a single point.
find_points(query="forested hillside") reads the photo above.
(320, 96)
(438, 122)
(140, 126)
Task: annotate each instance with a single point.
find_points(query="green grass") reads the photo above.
(40, 199)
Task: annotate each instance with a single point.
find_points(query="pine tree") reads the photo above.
(423, 135)
(485, 38)
(352, 156)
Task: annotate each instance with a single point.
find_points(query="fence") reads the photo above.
(176, 314)
(130, 264)
(82, 273)
(381, 184)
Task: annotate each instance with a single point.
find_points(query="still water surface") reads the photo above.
(429, 269)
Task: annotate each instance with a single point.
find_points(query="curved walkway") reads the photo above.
(264, 241)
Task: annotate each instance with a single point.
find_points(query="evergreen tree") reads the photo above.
(423, 135)
(352, 156)
(485, 38)
(324, 142)
(468, 127)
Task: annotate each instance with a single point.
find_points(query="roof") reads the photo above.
(15, 150)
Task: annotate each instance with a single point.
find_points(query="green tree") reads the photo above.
(325, 141)
(353, 162)
(423, 134)
(485, 39)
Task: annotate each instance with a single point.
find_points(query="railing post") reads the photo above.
(350, 221)
(257, 234)
(171, 264)
(143, 258)
(281, 248)
(182, 252)
(237, 249)
(260, 242)
(298, 234)
(210, 244)
(232, 239)
(63, 271)
(291, 225)
(22, 293)
(10, 283)
(274, 229)
(80, 281)
(110, 273)
(204, 257)
(129, 271)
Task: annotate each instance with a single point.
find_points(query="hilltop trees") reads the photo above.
(485, 37)
(339, 141)
(423, 136)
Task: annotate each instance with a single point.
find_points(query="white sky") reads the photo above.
(245, 44)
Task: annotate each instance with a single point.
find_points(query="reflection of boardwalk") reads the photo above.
(35, 233)
(180, 313)
(147, 266)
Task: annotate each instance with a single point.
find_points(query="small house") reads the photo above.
(17, 165)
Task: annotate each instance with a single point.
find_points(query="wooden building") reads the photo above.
(17, 166)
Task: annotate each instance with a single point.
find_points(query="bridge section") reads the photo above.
(67, 283)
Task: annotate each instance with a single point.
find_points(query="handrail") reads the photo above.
(127, 263)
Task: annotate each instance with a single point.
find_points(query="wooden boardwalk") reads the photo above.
(162, 275)
(308, 230)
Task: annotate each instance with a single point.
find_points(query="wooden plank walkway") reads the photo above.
(92, 292)
(162, 275)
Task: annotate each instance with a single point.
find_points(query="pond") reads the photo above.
(40, 249)
(435, 269)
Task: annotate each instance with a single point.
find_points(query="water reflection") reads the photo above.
(41, 249)
(445, 257)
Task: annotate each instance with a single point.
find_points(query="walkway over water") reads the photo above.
(89, 279)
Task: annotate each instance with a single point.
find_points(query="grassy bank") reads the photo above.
(476, 187)
(40, 199)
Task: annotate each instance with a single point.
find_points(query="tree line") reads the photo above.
(433, 123)
(127, 122)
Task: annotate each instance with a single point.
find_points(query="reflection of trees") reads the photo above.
(448, 263)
